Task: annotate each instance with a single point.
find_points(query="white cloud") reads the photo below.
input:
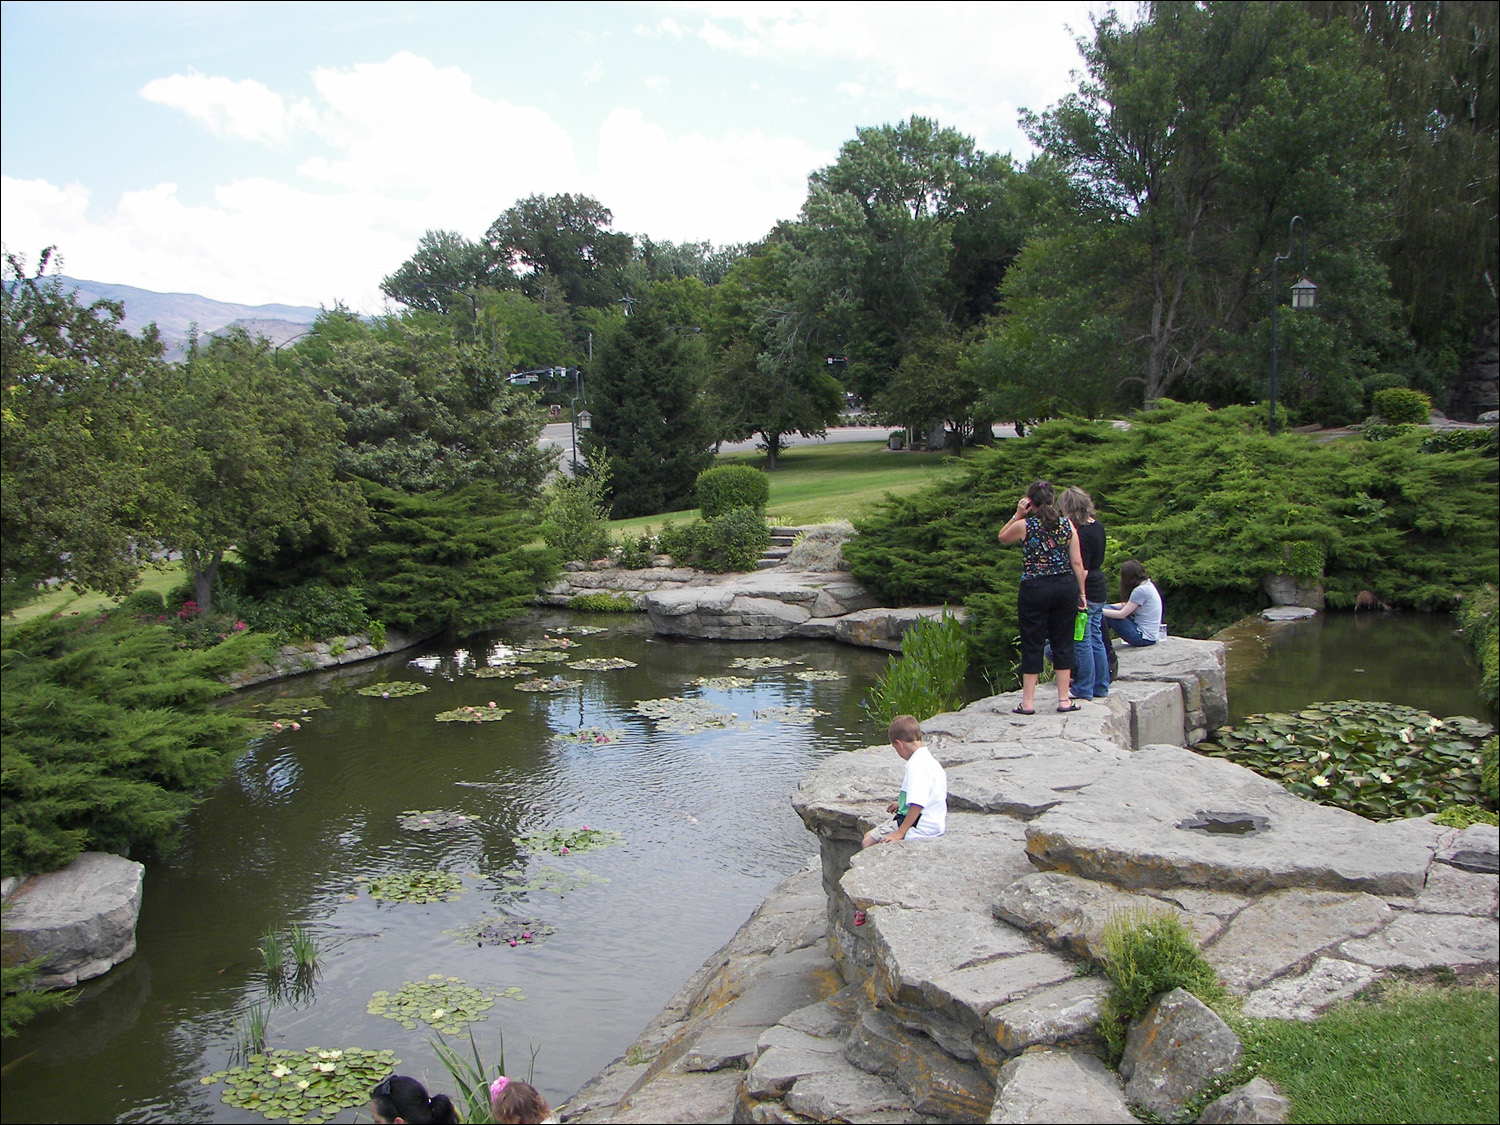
(728, 189)
(977, 62)
(657, 83)
(594, 74)
(246, 109)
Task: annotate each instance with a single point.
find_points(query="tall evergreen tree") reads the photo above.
(650, 419)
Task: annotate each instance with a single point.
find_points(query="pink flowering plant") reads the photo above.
(566, 841)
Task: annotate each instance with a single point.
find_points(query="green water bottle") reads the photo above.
(1081, 625)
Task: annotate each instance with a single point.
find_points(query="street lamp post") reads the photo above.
(1304, 296)
(578, 420)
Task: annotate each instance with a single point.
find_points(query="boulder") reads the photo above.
(1174, 1051)
(884, 628)
(1065, 1015)
(79, 921)
(1050, 1085)
(1257, 1102)
(1197, 667)
(1071, 914)
(1477, 848)
(1284, 931)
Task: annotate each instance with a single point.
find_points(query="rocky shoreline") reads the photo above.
(949, 980)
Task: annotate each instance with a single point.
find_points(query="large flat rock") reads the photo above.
(764, 605)
(1283, 932)
(1129, 828)
(80, 921)
(1196, 666)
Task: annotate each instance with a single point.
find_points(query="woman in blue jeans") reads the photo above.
(1090, 656)
(1137, 619)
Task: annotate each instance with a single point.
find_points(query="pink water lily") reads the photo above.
(565, 850)
(385, 695)
(296, 726)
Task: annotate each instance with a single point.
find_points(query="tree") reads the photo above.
(649, 418)
(908, 234)
(421, 410)
(78, 499)
(1191, 141)
(446, 268)
(251, 458)
(769, 378)
(562, 241)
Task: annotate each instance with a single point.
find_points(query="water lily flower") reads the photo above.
(281, 1071)
(512, 943)
(325, 1067)
(1324, 755)
(565, 849)
(1434, 724)
(303, 1083)
(1406, 734)
(492, 703)
(276, 726)
(526, 937)
(385, 695)
(296, 726)
(1320, 781)
(1386, 778)
(438, 1014)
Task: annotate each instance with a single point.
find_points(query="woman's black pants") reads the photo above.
(1046, 608)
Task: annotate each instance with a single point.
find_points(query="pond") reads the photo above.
(1416, 659)
(312, 814)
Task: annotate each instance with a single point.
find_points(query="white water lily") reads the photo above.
(326, 1068)
(1320, 781)
(303, 1083)
(438, 1014)
(1434, 724)
(1386, 778)
(1324, 755)
(280, 1071)
(1406, 734)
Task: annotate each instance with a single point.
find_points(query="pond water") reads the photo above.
(310, 814)
(1416, 659)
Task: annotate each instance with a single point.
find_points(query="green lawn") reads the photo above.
(821, 483)
(161, 577)
(1410, 1053)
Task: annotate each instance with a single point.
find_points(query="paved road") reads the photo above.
(559, 435)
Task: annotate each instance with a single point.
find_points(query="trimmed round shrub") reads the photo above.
(735, 540)
(1380, 381)
(1401, 406)
(727, 487)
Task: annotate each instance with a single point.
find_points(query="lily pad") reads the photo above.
(417, 886)
(760, 663)
(677, 713)
(723, 683)
(565, 841)
(588, 736)
(556, 683)
(555, 880)
(503, 929)
(819, 676)
(394, 689)
(542, 656)
(581, 630)
(798, 716)
(486, 714)
(1380, 760)
(306, 1086)
(549, 642)
(432, 820)
(503, 671)
(602, 664)
(446, 1004)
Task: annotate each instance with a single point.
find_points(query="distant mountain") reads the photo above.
(176, 313)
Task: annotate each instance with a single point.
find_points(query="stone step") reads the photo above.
(767, 564)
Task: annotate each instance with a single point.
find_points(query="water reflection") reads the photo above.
(309, 816)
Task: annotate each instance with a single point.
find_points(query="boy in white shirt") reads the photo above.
(921, 810)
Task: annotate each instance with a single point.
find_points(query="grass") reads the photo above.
(1408, 1052)
(161, 577)
(822, 483)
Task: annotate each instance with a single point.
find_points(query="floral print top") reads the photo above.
(1045, 553)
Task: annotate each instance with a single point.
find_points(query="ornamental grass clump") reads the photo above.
(1146, 954)
(928, 677)
(1380, 760)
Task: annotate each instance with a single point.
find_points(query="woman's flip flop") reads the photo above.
(1022, 711)
(1069, 709)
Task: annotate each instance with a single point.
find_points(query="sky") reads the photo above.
(295, 153)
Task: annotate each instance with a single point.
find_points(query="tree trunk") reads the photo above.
(773, 450)
(204, 578)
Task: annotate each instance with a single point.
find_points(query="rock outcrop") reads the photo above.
(80, 921)
(942, 979)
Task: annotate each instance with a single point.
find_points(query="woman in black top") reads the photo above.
(1090, 656)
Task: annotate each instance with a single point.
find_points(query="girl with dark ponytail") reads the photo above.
(1051, 594)
(402, 1099)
